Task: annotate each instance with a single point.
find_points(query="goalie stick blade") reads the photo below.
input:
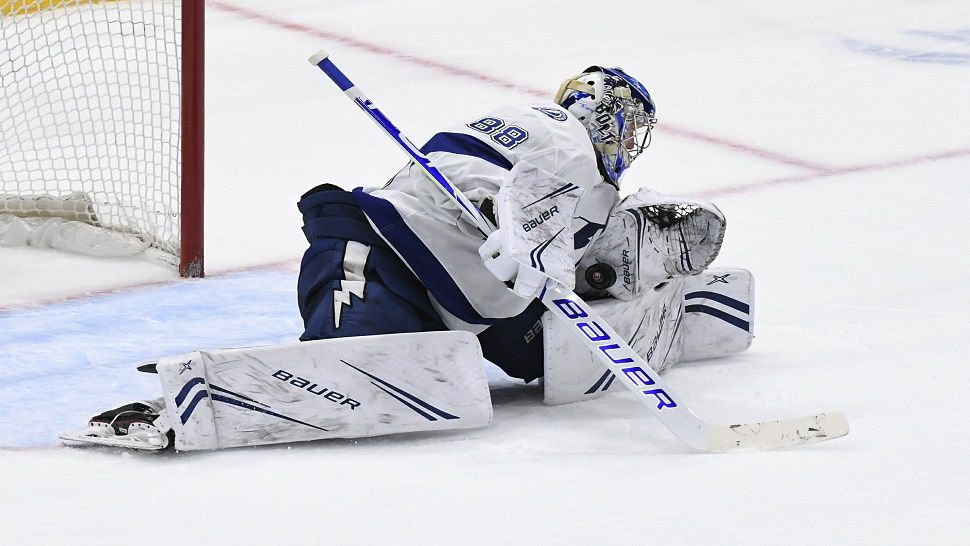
(777, 434)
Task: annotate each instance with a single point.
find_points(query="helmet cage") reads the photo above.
(618, 114)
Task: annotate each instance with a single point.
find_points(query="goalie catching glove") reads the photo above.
(534, 241)
(650, 238)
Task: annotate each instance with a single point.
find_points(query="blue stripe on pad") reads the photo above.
(596, 386)
(558, 191)
(402, 400)
(440, 413)
(180, 397)
(717, 313)
(246, 405)
(191, 407)
(720, 298)
(237, 395)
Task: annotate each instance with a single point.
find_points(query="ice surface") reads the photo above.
(834, 137)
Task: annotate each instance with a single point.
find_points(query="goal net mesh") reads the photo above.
(90, 104)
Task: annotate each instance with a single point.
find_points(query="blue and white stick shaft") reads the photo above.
(322, 60)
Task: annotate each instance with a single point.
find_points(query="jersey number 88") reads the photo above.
(508, 136)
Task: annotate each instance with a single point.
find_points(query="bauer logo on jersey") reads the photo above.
(554, 113)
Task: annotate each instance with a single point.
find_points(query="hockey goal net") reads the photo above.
(102, 118)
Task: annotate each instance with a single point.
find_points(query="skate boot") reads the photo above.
(139, 425)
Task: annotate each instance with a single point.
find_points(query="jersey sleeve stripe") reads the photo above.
(462, 144)
(419, 257)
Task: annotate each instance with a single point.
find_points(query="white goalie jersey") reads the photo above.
(427, 230)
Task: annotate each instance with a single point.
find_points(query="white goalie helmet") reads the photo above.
(618, 114)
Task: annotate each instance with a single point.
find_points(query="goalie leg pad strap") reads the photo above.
(336, 388)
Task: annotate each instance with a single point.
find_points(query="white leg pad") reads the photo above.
(689, 318)
(718, 314)
(336, 388)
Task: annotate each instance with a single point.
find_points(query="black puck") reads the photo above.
(600, 276)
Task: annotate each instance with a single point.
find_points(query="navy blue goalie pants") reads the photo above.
(351, 283)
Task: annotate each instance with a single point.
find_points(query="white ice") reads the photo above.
(834, 135)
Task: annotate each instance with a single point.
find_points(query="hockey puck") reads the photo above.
(600, 276)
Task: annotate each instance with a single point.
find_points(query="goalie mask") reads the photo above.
(617, 111)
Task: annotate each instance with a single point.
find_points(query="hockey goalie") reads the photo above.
(403, 301)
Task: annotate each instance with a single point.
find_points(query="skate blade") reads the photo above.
(104, 436)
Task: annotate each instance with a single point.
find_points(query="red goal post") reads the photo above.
(102, 110)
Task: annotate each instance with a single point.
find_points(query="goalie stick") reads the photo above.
(602, 341)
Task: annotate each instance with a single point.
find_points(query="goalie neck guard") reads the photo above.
(618, 114)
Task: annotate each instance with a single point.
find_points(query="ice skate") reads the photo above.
(132, 426)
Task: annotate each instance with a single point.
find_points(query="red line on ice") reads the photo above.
(819, 171)
(286, 265)
(458, 71)
(741, 188)
(899, 163)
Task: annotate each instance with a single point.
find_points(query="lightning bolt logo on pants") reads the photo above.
(355, 256)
